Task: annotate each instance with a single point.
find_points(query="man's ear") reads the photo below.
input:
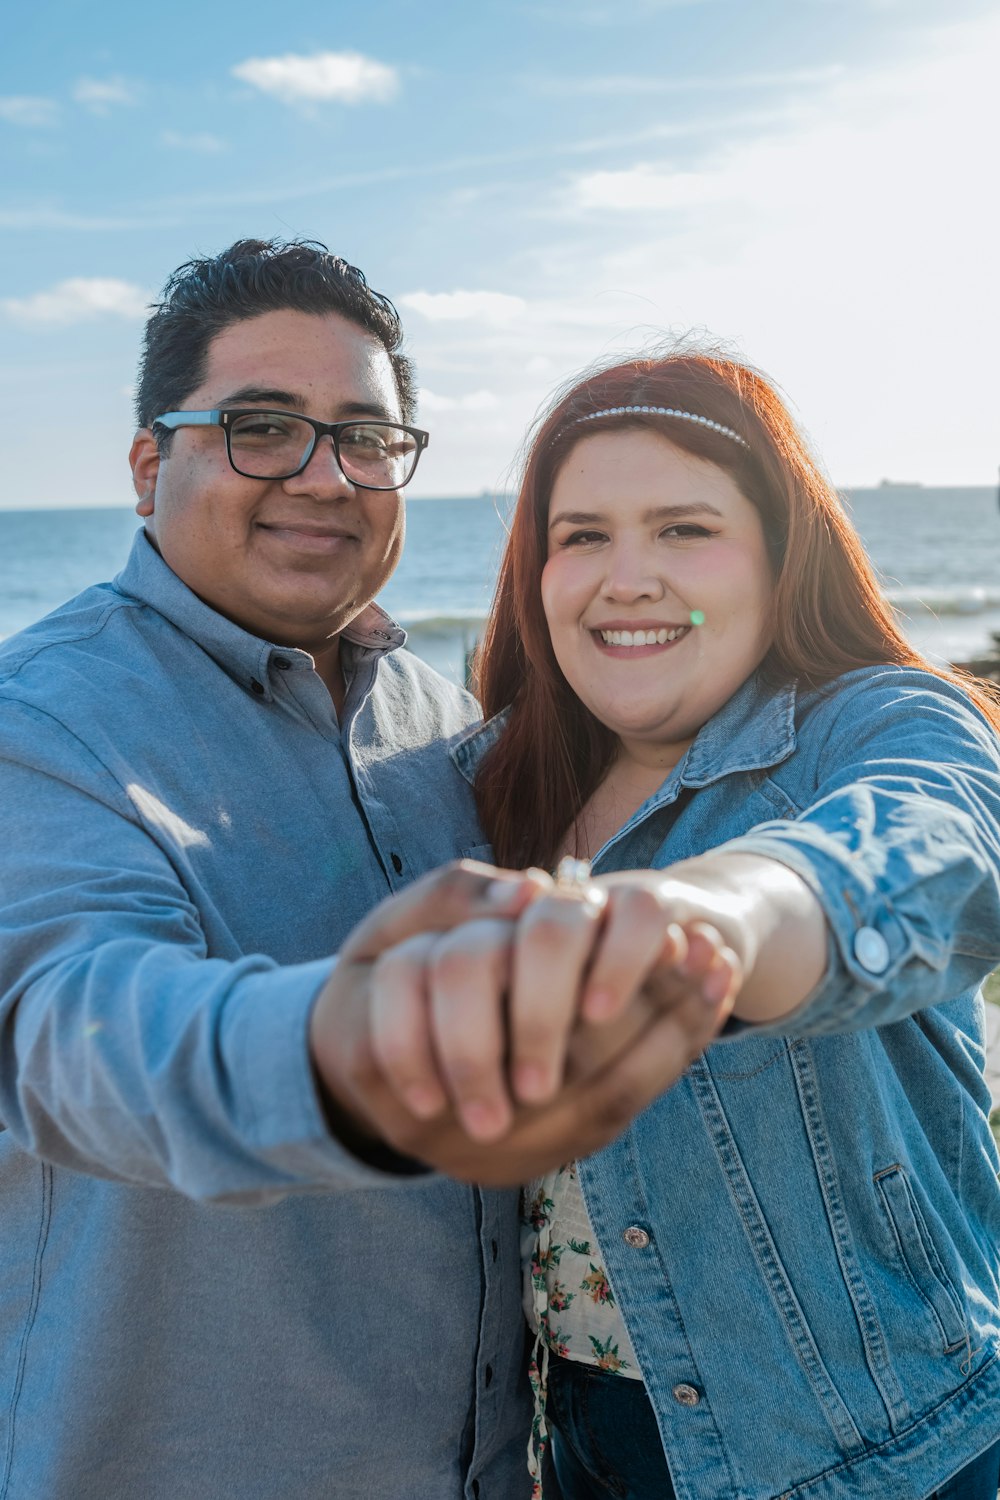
(144, 461)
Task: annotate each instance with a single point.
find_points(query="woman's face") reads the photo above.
(657, 588)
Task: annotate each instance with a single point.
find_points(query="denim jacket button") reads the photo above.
(686, 1395)
(636, 1237)
(871, 950)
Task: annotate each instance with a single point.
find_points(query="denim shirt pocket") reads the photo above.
(920, 1258)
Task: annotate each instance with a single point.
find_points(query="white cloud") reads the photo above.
(79, 300)
(203, 144)
(100, 94)
(344, 77)
(645, 187)
(472, 401)
(30, 110)
(455, 307)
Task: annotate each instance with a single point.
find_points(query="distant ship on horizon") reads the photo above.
(900, 484)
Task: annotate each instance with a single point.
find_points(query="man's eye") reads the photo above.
(366, 440)
(260, 425)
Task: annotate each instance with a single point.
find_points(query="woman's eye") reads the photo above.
(685, 531)
(582, 538)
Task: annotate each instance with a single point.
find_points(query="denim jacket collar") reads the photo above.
(247, 658)
(753, 731)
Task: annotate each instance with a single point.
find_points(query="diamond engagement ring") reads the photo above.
(572, 874)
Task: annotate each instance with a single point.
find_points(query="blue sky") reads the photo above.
(537, 186)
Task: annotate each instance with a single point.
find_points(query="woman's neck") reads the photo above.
(629, 783)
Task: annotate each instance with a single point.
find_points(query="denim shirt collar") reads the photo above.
(753, 731)
(245, 657)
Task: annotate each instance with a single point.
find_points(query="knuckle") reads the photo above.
(552, 922)
(638, 903)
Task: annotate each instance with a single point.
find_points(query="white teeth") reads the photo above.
(643, 637)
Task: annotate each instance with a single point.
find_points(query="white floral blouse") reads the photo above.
(568, 1299)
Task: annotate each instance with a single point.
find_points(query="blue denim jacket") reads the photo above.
(202, 1296)
(803, 1234)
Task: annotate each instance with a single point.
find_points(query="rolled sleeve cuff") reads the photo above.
(267, 1037)
(868, 944)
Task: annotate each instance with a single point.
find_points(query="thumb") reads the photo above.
(457, 893)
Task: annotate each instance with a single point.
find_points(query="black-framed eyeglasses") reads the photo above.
(266, 444)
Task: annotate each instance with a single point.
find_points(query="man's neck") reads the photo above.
(330, 672)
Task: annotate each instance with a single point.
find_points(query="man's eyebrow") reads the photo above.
(656, 513)
(255, 395)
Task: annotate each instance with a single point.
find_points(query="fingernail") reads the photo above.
(423, 1102)
(503, 892)
(715, 985)
(599, 1005)
(484, 1122)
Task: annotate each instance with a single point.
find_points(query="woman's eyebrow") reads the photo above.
(655, 513)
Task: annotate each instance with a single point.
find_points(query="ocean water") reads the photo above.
(937, 552)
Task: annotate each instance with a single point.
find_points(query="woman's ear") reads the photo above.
(144, 461)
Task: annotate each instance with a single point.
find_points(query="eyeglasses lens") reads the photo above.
(274, 445)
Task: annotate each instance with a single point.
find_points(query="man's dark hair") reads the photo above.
(203, 297)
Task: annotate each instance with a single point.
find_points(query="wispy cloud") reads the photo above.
(339, 77)
(464, 307)
(29, 110)
(646, 188)
(79, 300)
(100, 95)
(203, 144)
(557, 84)
(430, 401)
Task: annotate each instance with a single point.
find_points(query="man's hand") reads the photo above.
(412, 1043)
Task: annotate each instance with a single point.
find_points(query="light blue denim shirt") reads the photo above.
(803, 1235)
(202, 1295)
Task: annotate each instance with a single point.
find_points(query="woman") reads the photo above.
(783, 1278)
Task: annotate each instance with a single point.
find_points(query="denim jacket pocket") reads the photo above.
(920, 1258)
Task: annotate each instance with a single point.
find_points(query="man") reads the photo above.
(217, 1277)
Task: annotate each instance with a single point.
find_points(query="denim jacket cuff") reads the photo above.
(868, 945)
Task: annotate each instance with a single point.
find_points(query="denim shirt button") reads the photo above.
(636, 1237)
(871, 950)
(686, 1395)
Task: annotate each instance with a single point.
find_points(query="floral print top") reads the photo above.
(567, 1295)
(568, 1298)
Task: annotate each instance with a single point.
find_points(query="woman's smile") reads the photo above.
(657, 588)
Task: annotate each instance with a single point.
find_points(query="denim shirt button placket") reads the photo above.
(636, 1237)
(686, 1395)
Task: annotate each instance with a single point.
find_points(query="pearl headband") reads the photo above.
(664, 411)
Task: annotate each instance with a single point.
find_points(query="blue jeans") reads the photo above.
(605, 1442)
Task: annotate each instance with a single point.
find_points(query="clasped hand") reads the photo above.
(494, 1025)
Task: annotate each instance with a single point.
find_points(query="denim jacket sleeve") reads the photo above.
(126, 1052)
(899, 840)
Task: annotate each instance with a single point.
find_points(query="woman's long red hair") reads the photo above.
(829, 614)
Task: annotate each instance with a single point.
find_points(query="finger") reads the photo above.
(437, 902)
(704, 944)
(400, 1027)
(606, 1104)
(635, 937)
(467, 985)
(554, 942)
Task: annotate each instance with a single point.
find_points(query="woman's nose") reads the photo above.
(631, 576)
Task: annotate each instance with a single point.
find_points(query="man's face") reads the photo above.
(291, 560)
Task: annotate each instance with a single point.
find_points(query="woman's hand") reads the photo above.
(482, 1019)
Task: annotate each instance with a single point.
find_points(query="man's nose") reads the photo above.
(322, 475)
